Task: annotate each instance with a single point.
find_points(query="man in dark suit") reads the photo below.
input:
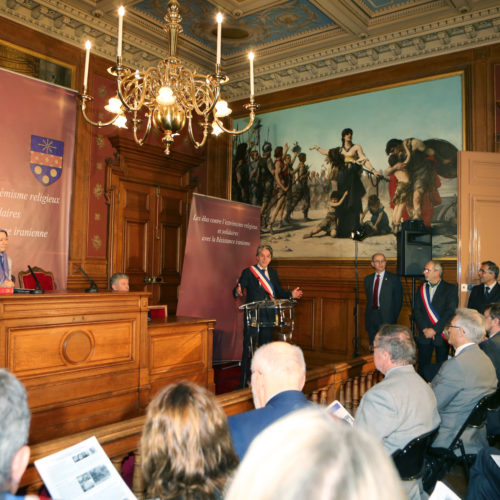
(435, 305)
(491, 347)
(384, 297)
(278, 376)
(261, 283)
(488, 291)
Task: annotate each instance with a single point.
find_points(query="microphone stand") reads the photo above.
(93, 285)
(356, 301)
(38, 288)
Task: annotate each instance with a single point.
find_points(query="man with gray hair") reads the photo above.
(119, 282)
(435, 305)
(261, 283)
(278, 376)
(15, 417)
(402, 406)
(463, 380)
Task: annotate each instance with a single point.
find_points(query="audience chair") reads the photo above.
(493, 420)
(158, 312)
(410, 460)
(440, 461)
(46, 279)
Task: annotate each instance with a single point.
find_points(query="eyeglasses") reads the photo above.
(483, 271)
(454, 326)
(426, 270)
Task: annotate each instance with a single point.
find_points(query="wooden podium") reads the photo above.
(89, 359)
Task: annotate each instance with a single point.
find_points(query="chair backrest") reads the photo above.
(410, 460)
(46, 279)
(158, 312)
(476, 418)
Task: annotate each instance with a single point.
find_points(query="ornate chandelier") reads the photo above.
(168, 95)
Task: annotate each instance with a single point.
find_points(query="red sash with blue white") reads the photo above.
(431, 312)
(263, 280)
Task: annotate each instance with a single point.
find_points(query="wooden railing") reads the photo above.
(346, 381)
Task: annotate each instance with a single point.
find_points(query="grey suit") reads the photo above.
(460, 383)
(399, 408)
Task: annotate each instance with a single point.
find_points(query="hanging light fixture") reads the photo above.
(169, 94)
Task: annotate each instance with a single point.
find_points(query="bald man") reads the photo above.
(278, 376)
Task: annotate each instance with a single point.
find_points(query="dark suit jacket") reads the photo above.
(390, 298)
(445, 302)
(491, 348)
(245, 426)
(478, 301)
(254, 289)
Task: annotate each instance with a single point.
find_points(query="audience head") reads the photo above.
(310, 455)
(433, 272)
(186, 445)
(492, 318)
(276, 367)
(393, 346)
(15, 418)
(488, 273)
(119, 282)
(466, 326)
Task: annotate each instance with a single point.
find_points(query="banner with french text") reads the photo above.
(222, 239)
(36, 172)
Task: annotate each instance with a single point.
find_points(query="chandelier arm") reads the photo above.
(235, 132)
(136, 122)
(197, 144)
(99, 123)
(133, 109)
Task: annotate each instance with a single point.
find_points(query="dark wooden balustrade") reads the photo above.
(345, 381)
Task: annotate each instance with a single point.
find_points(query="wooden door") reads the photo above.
(150, 227)
(479, 212)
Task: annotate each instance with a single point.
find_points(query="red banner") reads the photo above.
(36, 173)
(222, 239)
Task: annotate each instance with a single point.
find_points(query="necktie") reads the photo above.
(375, 292)
(486, 291)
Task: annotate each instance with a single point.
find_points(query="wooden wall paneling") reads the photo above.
(479, 208)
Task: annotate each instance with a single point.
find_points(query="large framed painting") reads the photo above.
(355, 165)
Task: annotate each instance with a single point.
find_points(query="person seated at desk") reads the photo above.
(119, 282)
(5, 262)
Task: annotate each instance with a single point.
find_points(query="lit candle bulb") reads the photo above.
(251, 57)
(219, 36)
(121, 13)
(87, 60)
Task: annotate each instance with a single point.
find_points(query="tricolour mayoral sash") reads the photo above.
(263, 280)
(426, 299)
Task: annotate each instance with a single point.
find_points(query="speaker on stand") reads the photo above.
(414, 251)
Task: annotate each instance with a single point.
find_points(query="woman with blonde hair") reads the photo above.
(186, 447)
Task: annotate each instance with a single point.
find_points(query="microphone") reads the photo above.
(38, 288)
(93, 285)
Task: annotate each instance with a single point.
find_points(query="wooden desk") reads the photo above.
(88, 359)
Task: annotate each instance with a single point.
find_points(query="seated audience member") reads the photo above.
(491, 346)
(119, 282)
(186, 447)
(309, 455)
(15, 417)
(488, 290)
(402, 406)
(484, 477)
(5, 262)
(278, 376)
(463, 380)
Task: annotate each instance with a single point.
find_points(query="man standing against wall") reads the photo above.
(384, 297)
(488, 291)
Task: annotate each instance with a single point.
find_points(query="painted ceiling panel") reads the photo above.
(290, 18)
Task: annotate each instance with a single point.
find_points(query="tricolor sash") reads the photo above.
(263, 280)
(431, 312)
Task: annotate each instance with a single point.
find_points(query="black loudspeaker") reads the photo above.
(414, 248)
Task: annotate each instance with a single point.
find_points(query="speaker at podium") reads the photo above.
(414, 248)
